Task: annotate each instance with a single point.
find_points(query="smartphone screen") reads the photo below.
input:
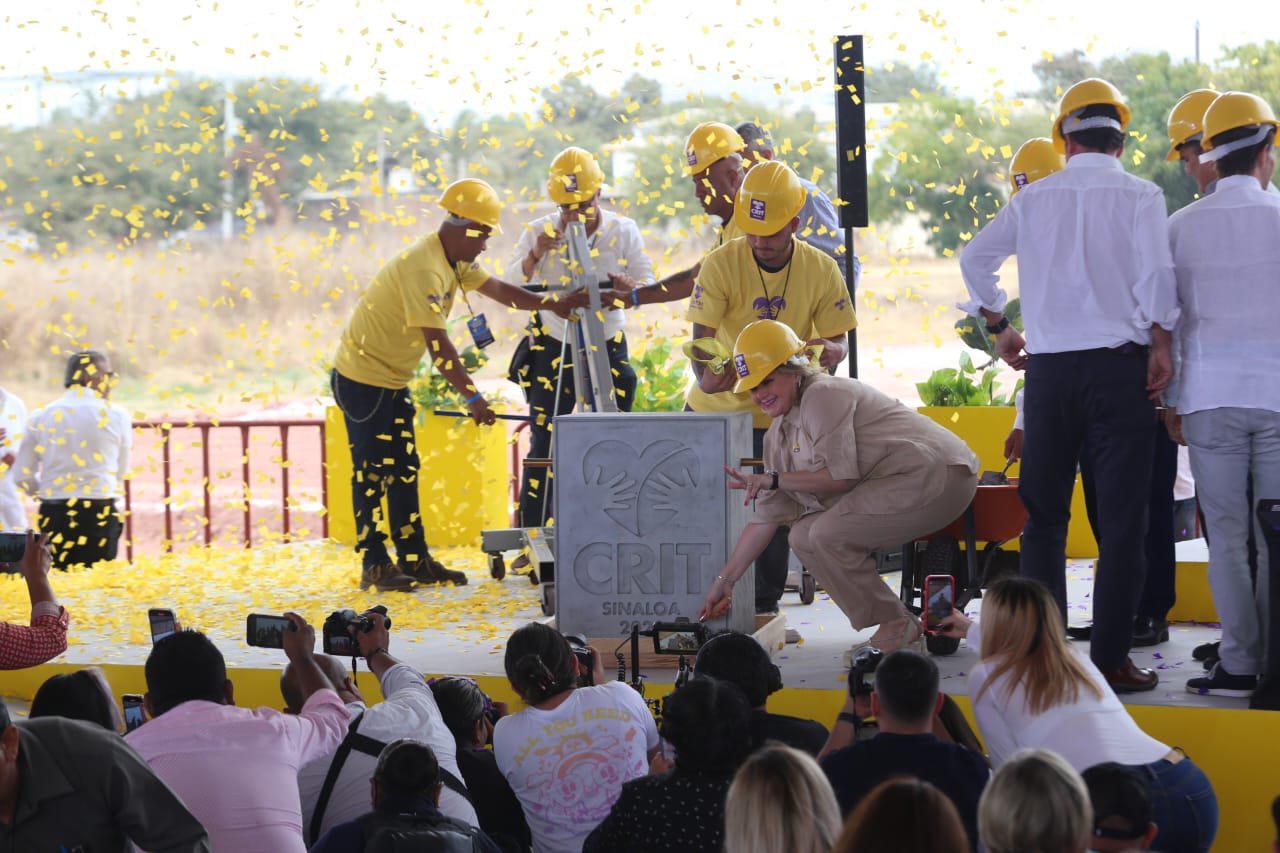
(12, 547)
(267, 632)
(133, 716)
(163, 623)
(939, 593)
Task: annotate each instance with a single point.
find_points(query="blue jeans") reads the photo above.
(1184, 807)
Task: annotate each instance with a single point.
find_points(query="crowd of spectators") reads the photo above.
(584, 766)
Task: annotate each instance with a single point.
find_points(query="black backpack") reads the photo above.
(418, 834)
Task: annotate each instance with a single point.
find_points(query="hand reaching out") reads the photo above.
(614, 494)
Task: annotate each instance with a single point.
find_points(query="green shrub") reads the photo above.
(963, 387)
(430, 390)
(661, 376)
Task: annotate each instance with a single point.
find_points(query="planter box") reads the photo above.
(984, 429)
(463, 481)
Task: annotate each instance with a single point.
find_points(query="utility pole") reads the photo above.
(228, 148)
(1197, 42)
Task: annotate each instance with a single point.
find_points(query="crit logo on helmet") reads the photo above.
(757, 209)
(571, 183)
(740, 365)
(690, 157)
(1020, 178)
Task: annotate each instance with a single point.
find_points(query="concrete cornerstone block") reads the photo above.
(644, 521)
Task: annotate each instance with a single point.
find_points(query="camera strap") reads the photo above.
(372, 747)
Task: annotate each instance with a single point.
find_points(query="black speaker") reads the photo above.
(851, 132)
(1267, 696)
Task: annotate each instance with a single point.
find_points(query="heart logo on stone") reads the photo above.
(640, 512)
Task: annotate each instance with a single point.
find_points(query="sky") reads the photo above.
(493, 56)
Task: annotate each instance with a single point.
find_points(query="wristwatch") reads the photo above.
(999, 327)
(773, 487)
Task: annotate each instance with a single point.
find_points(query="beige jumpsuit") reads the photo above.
(913, 477)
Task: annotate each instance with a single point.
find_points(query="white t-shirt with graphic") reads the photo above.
(567, 765)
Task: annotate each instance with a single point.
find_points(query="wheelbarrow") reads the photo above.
(994, 516)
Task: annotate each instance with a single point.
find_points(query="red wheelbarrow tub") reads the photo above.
(998, 515)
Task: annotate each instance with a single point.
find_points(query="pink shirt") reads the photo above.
(236, 769)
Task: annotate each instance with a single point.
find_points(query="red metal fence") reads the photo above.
(165, 429)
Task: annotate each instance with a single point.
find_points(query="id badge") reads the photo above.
(478, 326)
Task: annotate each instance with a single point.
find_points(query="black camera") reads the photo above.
(586, 658)
(340, 629)
(681, 637)
(862, 674)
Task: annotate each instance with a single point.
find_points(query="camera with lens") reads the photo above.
(862, 673)
(340, 629)
(586, 659)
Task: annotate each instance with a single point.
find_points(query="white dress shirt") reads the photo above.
(820, 226)
(616, 247)
(75, 447)
(13, 420)
(409, 710)
(1094, 268)
(1226, 255)
(1085, 732)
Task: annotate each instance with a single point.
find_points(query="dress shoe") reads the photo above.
(1130, 679)
(385, 577)
(1148, 631)
(429, 570)
(1207, 651)
(1082, 633)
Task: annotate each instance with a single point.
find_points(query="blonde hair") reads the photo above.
(1035, 803)
(780, 800)
(1022, 635)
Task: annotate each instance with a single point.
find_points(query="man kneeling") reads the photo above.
(406, 790)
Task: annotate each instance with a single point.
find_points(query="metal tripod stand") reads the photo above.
(593, 392)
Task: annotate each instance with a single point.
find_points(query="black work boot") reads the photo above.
(429, 570)
(385, 577)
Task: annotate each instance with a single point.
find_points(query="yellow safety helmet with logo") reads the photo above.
(1035, 159)
(471, 198)
(575, 177)
(761, 348)
(769, 197)
(1087, 93)
(710, 142)
(1230, 111)
(1186, 119)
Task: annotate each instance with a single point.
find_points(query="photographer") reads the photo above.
(470, 716)
(236, 768)
(905, 702)
(406, 789)
(569, 753)
(22, 646)
(706, 721)
(408, 711)
(743, 662)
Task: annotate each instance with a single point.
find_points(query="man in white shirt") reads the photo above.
(74, 458)
(1226, 252)
(408, 710)
(1099, 302)
(13, 423)
(542, 256)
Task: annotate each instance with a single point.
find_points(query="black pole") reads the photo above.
(1267, 695)
(851, 160)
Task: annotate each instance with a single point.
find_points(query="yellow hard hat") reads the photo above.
(1035, 159)
(769, 197)
(1087, 93)
(761, 348)
(710, 142)
(1229, 111)
(575, 177)
(473, 199)
(1186, 119)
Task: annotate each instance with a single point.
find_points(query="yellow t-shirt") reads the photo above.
(383, 343)
(729, 230)
(732, 290)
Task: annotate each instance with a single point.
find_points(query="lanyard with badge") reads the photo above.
(773, 305)
(478, 325)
